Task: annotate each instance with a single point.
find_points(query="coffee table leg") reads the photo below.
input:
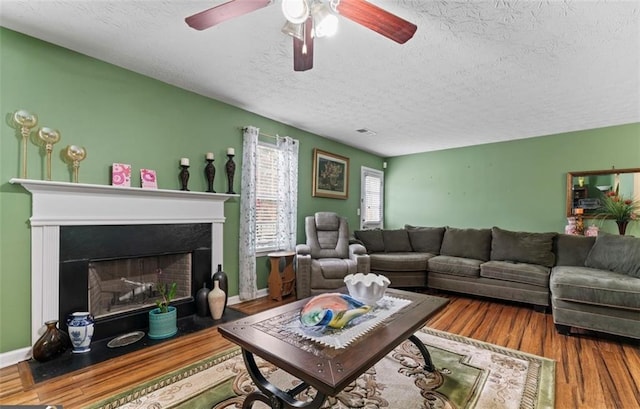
(271, 395)
(428, 364)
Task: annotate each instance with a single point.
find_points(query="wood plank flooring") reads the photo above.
(595, 372)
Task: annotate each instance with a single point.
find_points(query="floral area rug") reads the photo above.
(470, 374)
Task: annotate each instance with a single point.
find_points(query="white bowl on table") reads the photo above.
(367, 288)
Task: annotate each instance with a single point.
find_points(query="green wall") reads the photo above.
(120, 116)
(517, 185)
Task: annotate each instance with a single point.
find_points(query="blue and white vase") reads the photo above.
(80, 327)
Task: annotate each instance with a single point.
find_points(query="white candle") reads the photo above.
(231, 151)
(184, 161)
(209, 155)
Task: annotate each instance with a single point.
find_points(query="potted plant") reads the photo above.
(622, 210)
(163, 319)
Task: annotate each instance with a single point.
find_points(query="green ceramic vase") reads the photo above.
(163, 325)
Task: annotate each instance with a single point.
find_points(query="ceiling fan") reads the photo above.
(307, 19)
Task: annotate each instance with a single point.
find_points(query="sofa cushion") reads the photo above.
(467, 243)
(517, 272)
(592, 286)
(396, 240)
(425, 239)
(615, 253)
(572, 250)
(410, 261)
(523, 247)
(455, 266)
(371, 239)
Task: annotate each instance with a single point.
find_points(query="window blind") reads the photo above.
(266, 197)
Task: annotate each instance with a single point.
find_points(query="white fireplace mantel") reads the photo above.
(56, 204)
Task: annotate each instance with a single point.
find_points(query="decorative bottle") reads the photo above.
(80, 325)
(221, 276)
(216, 301)
(202, 301)
(230, 167)
(210, 174)
(51, 344)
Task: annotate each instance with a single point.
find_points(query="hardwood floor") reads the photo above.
(598, 372)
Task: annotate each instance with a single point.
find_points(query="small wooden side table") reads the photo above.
(281, 283)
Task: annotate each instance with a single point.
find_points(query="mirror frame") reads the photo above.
(571, 175)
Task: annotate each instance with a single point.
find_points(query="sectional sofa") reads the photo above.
(589, 282)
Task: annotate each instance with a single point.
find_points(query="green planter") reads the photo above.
(163, 325)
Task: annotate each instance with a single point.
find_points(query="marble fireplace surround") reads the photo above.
(56, 204)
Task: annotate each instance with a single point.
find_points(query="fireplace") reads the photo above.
(114, 271)
(60, 209)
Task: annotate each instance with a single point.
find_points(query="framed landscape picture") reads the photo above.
(330, 175)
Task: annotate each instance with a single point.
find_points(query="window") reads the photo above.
(266, 198)
(371, 198)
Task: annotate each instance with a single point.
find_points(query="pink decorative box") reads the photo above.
(121, 174)
(148, 179)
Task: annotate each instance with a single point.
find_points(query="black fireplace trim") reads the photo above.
(81, 244)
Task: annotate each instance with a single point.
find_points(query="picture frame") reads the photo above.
(121, 174)
(330, 175)
(148, 179)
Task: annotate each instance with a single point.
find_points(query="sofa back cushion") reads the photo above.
(572, 250)
(522, 247)
(371, 240)
(396, 241)
(467, 243)
(615, 253)
(425, 239)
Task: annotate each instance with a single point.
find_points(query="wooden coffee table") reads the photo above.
(327, 369)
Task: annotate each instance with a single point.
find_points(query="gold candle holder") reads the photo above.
(26, 121)
(75, 154)
(48, 137)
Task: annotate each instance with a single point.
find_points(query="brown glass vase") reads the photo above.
(51, 344)
(622, 227)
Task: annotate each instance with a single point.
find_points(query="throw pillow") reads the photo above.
(371, 239)
(572, 250)
(396, 241)
(615, 253)
(426, 239)
(522, 247)
(467, 243)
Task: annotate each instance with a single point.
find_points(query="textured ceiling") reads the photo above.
(475, 72)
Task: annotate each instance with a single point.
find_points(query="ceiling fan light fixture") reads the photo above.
(294, 30)
(325, 23)
(295, 11)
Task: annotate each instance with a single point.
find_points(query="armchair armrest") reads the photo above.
(358, 253)
(356, 248)
(303, 271)
(303, 249)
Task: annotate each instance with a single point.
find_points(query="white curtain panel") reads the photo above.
(288, 195)
(248, 288)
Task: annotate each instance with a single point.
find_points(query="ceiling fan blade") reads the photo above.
(303, 59)
(226, 11)
(377, 19)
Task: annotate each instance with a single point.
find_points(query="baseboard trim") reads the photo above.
(22, 354)
(13, 357)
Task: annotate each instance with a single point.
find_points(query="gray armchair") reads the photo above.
(327, 258)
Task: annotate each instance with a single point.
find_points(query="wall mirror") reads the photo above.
(585, 188)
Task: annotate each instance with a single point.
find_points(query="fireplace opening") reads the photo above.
(123, 285)
(113, 271)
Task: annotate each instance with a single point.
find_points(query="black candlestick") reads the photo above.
(184, 177)
(231, 170)
(210, 173)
